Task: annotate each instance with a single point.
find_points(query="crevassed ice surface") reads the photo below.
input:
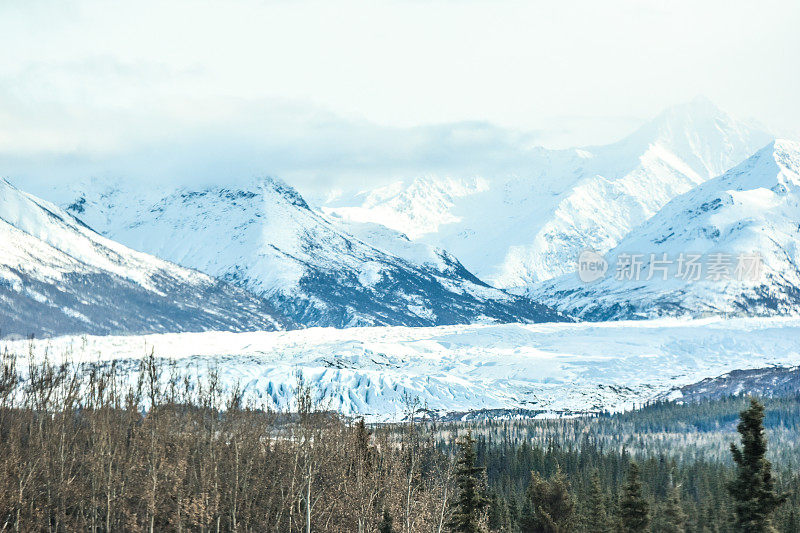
(549, 367)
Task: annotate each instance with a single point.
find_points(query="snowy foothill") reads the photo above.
(553, 368)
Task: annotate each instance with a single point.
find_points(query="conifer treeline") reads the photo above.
(87, 448)
(586, 489)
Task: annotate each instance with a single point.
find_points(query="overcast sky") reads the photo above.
(306, 89)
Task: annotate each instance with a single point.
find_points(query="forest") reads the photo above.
(92, 448)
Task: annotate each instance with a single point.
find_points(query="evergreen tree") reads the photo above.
(634, 512)
(708, 520)
(499, 515)
(792, 524)
(363, 436)
(755, 498)
(515, 508)
(671, 517)
(550, 506)
(596, 520)
(468, 507)
(387, 523)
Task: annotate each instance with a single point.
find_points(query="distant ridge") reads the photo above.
(58, 277)
(754, 208)
(518, 230)
(265, 238)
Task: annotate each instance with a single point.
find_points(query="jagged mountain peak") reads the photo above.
(567, 200)
(698, 109)
(703, 136)
(751, 194)
(285, 191)
(750, 213)
(276, 189)
(778, 162)
(263, 236)
(697, 116)
(58, 276)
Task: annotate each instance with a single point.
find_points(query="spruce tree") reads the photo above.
(363, 436)
(671, 517)
(792, 524)
(634, 512)
(709, 519)
(753, 492)
(596, 520)
(499, 516)
(468, 507)
(550, 507)
(387, 523)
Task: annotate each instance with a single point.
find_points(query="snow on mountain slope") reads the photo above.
(752, 209)
(58, 276)
(415, 210)
(548, 367)
(264, 237)
(518, 230)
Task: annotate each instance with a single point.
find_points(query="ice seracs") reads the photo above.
(550, 368)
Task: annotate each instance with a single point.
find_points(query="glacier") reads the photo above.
(551, 369)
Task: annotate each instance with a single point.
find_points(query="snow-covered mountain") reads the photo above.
(57, 276)
(741, 228)
(769, 382)
(538, 367)
(515, 231)
(264, 237)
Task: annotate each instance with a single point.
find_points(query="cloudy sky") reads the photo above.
(319, 91)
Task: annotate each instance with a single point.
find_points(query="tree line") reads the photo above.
(91, 447)
(586, 489)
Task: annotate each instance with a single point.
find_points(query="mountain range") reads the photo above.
(57, 276)
(515, 231)
(433, 251)
(747, 219)
(265, 238)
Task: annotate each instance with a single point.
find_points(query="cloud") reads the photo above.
(306, 146)
(358, 90)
